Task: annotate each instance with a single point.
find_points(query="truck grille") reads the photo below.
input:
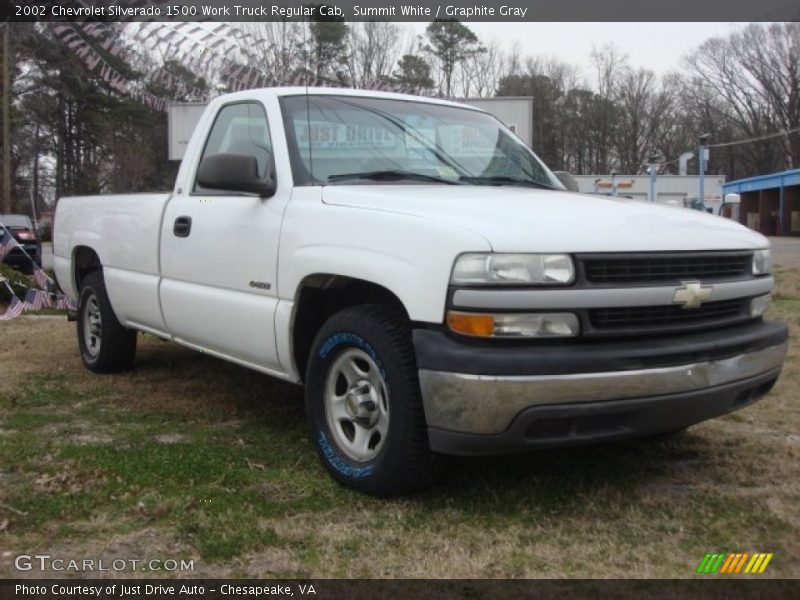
(620, 269)
(634, 319)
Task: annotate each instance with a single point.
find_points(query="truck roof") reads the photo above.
(301, 90)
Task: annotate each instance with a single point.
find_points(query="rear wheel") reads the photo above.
(106, 346)
(364, 406)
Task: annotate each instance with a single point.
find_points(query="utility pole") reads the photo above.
(6, 124)
(701, 167)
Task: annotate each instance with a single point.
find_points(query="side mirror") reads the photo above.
(732, 199)
(236, 173)
(567, 180)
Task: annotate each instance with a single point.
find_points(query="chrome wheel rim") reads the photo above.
(92, 325)
(357, 405)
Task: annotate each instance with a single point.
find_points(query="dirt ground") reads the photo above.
(786, 251)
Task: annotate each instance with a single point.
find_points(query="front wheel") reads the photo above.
(364, 406)
(106, 346)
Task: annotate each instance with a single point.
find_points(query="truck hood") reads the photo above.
(516, 219)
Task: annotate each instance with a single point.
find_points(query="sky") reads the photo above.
(656, 46)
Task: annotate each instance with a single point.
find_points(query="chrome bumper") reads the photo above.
(488, 404)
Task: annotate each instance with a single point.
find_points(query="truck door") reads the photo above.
(219, 252)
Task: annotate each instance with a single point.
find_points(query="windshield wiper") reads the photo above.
(392, 175)
(504, 180)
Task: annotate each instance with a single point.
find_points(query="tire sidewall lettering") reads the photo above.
(336, 461)
(351, 339)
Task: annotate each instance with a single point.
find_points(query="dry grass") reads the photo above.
(188, 457)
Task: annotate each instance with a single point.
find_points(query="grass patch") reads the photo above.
(19, 282)
(189, 457)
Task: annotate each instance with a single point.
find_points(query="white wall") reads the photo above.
(514, 112)
(670, 189)
(181, 120)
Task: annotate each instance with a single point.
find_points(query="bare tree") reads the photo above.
(276, 45)
(678, 130)
(643, 109)
(481, 72)
(608, 62)
(513, 60)
(374, 47)
(756, 74)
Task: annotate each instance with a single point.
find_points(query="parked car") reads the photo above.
(427, 279)
(22, 229)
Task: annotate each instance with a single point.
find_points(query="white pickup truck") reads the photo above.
(427, 278)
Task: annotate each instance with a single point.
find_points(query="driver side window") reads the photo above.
(241, 129)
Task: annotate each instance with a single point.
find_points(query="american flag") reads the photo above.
(42, 280)
(36, 300)
(15, 309)
(64, 303)
(7, 244)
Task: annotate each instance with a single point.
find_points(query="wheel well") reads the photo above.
(85, 261)
(320, 297)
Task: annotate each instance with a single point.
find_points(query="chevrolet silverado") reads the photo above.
(429, 281)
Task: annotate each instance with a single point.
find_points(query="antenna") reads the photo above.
(308, 101)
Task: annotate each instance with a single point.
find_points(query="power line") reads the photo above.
(768, 136)
(756, 139)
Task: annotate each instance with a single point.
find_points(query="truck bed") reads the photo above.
(124, 231)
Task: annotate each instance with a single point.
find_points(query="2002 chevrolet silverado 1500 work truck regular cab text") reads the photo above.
(427, 278)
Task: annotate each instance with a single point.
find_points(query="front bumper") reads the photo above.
(482, 399)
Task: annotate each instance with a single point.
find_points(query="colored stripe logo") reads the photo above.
(734, 563)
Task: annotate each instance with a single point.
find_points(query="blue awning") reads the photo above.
(763, 182)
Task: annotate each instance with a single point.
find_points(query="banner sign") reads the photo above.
(410, 10)
(202, 48)
(335, 136)
(68, 35)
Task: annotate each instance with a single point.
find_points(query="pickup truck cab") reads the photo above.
(427, 279)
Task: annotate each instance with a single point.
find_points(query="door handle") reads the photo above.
(182, 227)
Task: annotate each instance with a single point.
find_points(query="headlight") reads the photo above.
(513, 269)
(512, 325)
(759, 305)
(762, 262)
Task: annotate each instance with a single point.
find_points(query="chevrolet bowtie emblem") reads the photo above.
(692, 294)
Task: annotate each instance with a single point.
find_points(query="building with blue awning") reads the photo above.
(770, 203)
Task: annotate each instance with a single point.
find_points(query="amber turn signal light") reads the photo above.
(474, 324)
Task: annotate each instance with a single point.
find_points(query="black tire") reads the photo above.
(404, 462)
(113, 347)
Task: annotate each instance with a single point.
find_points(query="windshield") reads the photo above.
(16, 221)
(338, 140)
